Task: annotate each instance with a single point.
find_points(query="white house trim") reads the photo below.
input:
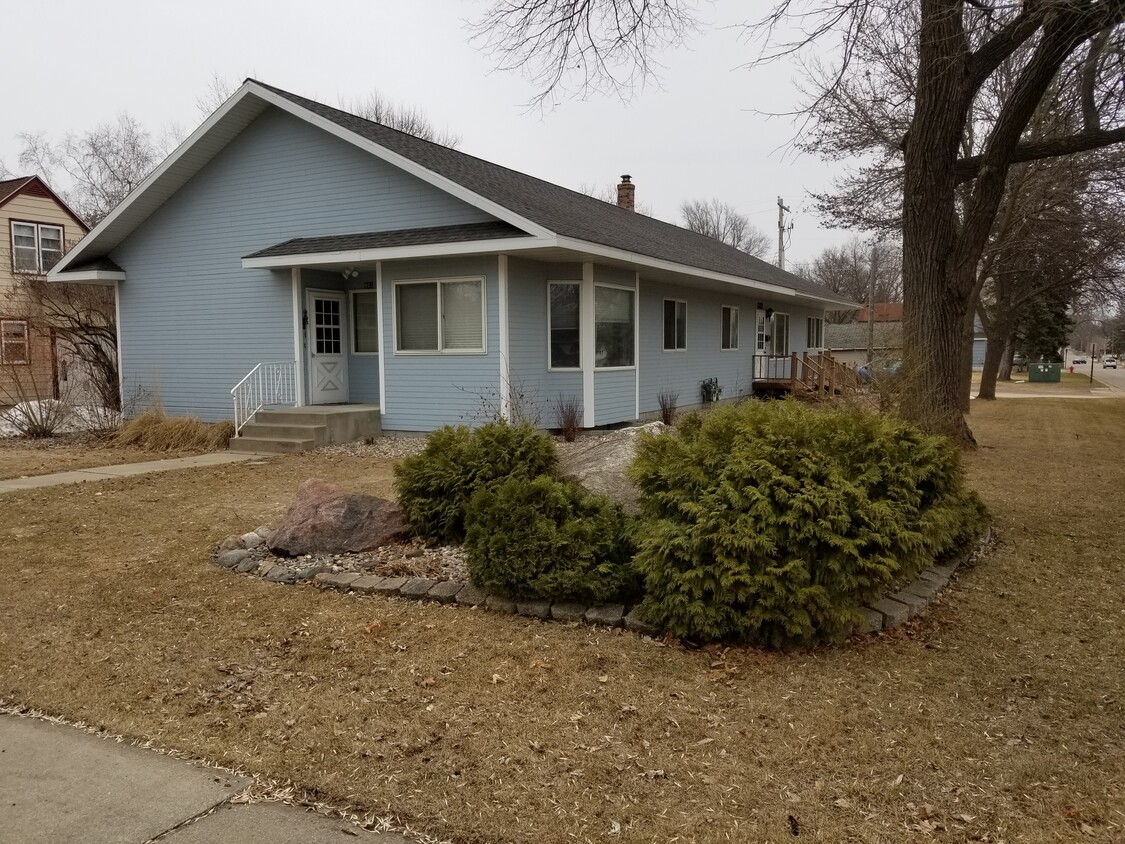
(253, 89)
(382, 338)
(637, 345)
(91, 277)
(298, 334)
(390, 253)
(120, 346)
(685, 269)
(505, 364)
(587, 351)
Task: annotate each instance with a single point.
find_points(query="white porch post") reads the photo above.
(587, 341)
(382, 338)
(298, 330)
(505, 365)
(637, 342)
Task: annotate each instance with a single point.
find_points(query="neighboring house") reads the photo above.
(366, 266)
(39, 228)
(848, 341)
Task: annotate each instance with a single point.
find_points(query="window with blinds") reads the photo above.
(440, 316)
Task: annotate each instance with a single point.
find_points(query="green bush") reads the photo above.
(544, 538)
(773, 522)
(435, 485)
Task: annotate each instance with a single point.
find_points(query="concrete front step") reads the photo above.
(289, 430)
(273, 431)
(260, 445)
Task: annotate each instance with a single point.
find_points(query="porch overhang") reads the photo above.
(98, 271)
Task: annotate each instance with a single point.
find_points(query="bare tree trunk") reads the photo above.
(1005, 373)
(934, 287)
(993, 356)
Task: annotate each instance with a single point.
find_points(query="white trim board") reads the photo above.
(389, 253)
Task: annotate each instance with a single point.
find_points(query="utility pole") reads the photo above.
(871, 303)
(781, 209)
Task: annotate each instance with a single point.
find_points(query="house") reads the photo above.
(40, 228)
(847, 342)
(319, 260)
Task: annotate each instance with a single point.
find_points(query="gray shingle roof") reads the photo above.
(396, 237)
(888, 335)
(565, 212)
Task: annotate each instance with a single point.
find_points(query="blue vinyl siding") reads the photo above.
(193, 321)
(426, 391)
(532, 383)
(615, 396)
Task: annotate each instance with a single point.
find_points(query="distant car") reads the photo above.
(1079, 362)
(877, 370)
(1109, 362)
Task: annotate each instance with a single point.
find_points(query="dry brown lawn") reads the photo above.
(23, 458)
(999, 717)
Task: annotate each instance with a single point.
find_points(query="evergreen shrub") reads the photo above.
(545, 538)
(435, 485)
(774, 522)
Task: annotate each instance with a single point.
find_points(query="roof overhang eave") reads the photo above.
(85, 277)
(598, 249)
(392, 253)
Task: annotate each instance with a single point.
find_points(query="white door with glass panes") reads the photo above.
(327, 349)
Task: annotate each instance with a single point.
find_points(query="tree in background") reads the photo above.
(96, 169)
(955, 157)
(847, 270)
(1043, 328)
(721, 221)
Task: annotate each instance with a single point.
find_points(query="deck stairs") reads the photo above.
(293, 429)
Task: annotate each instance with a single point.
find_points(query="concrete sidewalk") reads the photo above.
(59, 784)
(125, 470)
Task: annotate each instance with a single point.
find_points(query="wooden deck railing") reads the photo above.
(818, 372)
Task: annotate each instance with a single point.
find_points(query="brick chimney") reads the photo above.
(625, 193)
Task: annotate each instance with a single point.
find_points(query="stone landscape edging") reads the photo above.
(891, 611)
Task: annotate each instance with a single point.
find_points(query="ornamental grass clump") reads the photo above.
(546, 538)
(774, 522)
(435, 485)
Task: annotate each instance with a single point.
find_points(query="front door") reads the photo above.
(761, 338)
(328, 359)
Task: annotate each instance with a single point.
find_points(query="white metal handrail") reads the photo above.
(265, 384)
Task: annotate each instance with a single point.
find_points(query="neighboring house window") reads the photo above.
(35, 247)
(779, 334)
(365, 322)
(614, 326)
(730, 328)
(562, 316)
(675, 325)
(816, 332)
(14, 346)
(440, 316)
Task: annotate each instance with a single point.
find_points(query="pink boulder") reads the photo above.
(327, 518)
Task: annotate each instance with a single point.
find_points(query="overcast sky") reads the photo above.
(696, 136)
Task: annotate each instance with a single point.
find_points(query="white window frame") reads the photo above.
(4, 342)
(817, 323)
(663, 327)
(483, 350)
(723, 323)
(550, 365)
(773, 335)
(636, 320)
(37, 229)
(352, 346)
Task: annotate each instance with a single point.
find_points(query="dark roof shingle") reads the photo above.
(565, 212)
(396, 237)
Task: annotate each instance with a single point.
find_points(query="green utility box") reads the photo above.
(1044, 373)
